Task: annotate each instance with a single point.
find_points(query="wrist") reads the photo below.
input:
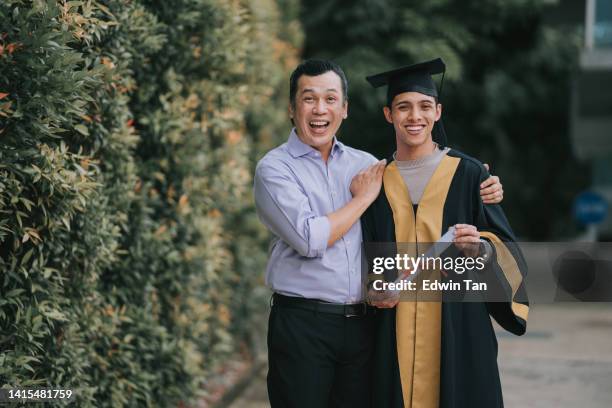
(486, 249)
(363, 200)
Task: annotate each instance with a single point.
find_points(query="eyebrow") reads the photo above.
(417, 102)
(327, 90)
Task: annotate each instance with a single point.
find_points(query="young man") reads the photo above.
(431, 354)
(310, 193)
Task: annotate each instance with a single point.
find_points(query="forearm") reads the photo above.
(343, 219)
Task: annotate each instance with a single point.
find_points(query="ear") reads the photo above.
(438, 111)
(387, 113)
(290, 110)
(345, 110)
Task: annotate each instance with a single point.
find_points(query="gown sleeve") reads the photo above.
(507, 264)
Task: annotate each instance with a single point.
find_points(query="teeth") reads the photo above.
(414, 127)
(319, 123)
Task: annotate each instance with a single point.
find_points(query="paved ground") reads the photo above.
(564, 361)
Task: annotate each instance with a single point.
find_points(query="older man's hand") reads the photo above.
(367, 183)
(384, 299)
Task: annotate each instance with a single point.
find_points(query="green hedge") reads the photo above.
(129, 249)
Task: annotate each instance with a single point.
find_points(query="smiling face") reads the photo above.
(413, 116)
(318, 109)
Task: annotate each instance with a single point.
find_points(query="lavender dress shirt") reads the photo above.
(294, 190)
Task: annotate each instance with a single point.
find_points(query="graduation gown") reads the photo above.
(443, 354)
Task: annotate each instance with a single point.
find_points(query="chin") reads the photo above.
(414, 141)
(320, 141)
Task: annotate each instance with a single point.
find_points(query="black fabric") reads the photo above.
(466, 207)
(438, 134)
(411, 78)
(469, 376)
(315, 305)
(386, 382)
(378, 226)
(469, 373)
(375, 227)
(318, 359)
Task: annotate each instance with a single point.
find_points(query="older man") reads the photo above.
(310, 192)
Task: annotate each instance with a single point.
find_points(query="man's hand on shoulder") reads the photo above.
(367, 183)
(365, 187)
(491, 190)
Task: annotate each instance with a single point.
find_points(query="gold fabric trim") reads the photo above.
(401, 204)
(506, 261)
(418, 324)
(520, 310)
(510, 269)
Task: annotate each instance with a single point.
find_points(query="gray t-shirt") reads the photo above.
(417, 173)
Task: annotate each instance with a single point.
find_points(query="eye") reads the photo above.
(331, 99)
(308, 99)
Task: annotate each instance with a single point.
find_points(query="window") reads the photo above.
(598, 33)
(602, 30)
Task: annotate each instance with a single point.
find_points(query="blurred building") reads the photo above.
(591, 105)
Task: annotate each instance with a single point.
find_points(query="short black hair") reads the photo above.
(314, 67)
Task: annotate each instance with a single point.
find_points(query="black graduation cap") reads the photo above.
(413, 78)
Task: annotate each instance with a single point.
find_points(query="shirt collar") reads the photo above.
(298, 148)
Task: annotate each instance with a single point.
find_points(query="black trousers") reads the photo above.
(318, 360)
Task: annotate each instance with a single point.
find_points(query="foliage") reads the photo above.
(506, 91)
(128, 131)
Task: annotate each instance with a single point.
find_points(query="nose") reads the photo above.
(319, 107)
(414, 114)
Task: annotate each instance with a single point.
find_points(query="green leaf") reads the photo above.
(14, 293)
(82, 129)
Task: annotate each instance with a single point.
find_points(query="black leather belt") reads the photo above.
(346, 310)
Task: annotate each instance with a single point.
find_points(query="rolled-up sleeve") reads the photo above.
(284, 208)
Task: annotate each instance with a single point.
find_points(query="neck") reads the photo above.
(407, 152)
(324, 150)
